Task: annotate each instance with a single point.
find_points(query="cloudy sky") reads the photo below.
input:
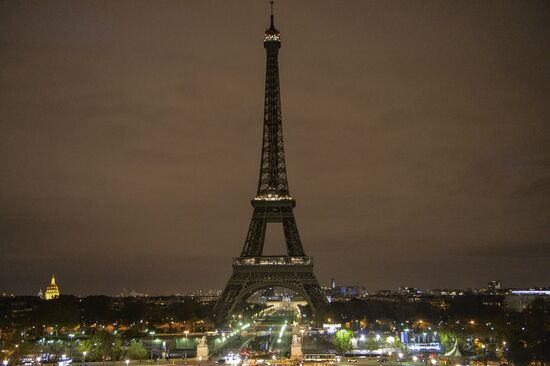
(417, 140)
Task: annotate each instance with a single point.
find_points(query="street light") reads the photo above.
(433, 361)
(84, 354)
(127, 362)
(5, 362)
(415, 358)
(152, 334)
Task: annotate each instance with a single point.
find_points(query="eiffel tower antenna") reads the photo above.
(252, 270)
(271, 6)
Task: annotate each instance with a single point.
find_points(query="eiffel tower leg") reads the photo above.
(317, 297)
(225, 303)
(292, 238)
(254, 243)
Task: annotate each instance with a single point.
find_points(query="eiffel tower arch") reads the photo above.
(252, 270)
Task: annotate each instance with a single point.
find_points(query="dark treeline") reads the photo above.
(71, 311)
(24, 311)
(482, 307)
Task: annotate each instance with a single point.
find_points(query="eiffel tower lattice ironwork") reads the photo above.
(253, 271)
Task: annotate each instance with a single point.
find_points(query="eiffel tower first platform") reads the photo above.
(253, 271)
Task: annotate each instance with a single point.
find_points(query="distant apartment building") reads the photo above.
(519, 300)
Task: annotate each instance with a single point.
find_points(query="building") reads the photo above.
(494, 287)
(339, 293)
(348, 292)
(520, 300)
(52, 291)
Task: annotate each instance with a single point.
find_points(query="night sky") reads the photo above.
(417, 141)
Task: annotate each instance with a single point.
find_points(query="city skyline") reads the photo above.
(417, 146)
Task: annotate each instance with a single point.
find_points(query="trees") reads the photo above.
(448, 339)
(84, 347)
(372, 344)
(63, 311)
(530, 341)
(342, 341)
(101, 346)
(518, 352)
(136, 351)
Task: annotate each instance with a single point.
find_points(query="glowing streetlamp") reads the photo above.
(5, 362)
(127, 362)
(415, 358)
(433, 361)
(152, 344)
(84, 356)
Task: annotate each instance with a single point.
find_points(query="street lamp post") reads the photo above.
(152, 344)
(5, 362)
(84, 356)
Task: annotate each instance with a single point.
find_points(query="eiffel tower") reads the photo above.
(253, 271)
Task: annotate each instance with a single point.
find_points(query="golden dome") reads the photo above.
(52, 291)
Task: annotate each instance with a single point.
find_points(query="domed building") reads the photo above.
(52, 291)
